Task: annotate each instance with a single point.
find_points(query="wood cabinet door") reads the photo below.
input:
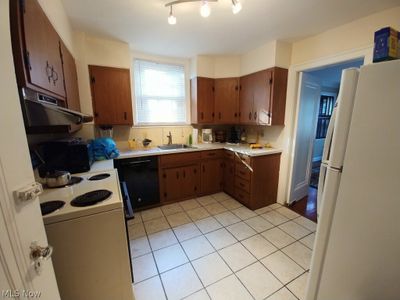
(190, 183)
(205, 100)
(171, 184)
(262, 94)
(111, 95)
(279, 78)
(211, 176)
(246, 100)
(226, 100)
(44, 68)
(70, 79)
(229, 176)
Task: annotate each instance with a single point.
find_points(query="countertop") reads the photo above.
(129, 153)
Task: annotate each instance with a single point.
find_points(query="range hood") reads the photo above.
(43, 111)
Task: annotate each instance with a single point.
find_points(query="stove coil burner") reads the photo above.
(91, 198)
(99, 177)
(51, 206)
(74, 180)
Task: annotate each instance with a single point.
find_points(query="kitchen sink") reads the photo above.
(175, 146)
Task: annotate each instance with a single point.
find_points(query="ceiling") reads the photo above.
(143, 23)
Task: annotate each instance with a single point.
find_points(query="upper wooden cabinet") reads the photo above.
(111, 95)
(36, 47)
(255, 99)
(279, 77)
(202, 100)
(263, 97)
(226, 98)
(70, 79)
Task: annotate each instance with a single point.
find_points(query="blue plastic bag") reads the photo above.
(104, 148)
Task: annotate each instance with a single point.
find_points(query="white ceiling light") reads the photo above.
(205, 9)
(171, 18)
(236, 6)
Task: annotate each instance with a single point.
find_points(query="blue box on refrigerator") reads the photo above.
(386, 44)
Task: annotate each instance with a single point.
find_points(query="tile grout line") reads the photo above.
(238, 241)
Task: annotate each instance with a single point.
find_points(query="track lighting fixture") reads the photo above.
(205, 9)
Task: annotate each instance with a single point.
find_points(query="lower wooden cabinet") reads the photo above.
(179, 183)
(190, 181)
(256, 180)
(253, 181)
(229, 177)
(211, 176)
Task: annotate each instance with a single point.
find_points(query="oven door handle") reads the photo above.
(127, 201)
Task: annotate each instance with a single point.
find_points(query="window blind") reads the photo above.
(159, 92)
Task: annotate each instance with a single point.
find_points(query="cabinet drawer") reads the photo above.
(242, 196)
(242, 171)
(242, 157)
(242, 184)
(211, 154)
(229, 154)
(179, 159)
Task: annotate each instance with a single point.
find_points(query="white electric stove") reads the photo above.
(87, 194)
(85, 223)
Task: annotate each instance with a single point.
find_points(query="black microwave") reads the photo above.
(73, 155)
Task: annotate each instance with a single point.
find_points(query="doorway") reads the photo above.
(318, 90)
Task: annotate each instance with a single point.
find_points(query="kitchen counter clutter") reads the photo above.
(248, 175)
(242, 149)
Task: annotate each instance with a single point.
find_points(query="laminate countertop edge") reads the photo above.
(200, 147)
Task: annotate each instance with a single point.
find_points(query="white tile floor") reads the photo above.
(214, 248)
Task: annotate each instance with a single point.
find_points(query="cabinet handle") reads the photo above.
(249, 115)
(235, 115)
(240, 114)
(184, 174)
(204, 169)
(195, 171)
(49, 70)
(164, 175)
(177, 175)
(213, 115)
(202, 115)
(125, 115)
(52, 75)
(255, 115)
(241, 184)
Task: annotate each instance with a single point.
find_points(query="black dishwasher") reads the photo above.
(140, 176)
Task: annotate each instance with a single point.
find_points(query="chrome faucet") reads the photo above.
(169, 136)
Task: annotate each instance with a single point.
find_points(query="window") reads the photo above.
(159, 93)
(324, 116)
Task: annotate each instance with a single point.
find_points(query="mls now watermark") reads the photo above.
(20, 294)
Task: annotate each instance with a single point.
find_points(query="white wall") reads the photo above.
(221, 66)
(55, 11)
(357, 34)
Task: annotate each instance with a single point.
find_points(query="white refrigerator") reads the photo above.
(357, 248)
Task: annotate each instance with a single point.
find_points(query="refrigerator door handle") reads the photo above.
(329, 136)
(321, 187)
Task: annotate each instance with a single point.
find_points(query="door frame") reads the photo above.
(311, 143)
(294, 79)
